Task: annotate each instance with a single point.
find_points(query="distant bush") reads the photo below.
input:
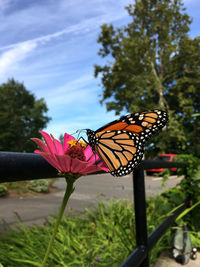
(39, 186)
(3, 190)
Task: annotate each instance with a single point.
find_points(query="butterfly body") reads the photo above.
(120, 144)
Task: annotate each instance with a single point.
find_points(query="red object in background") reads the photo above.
(165, 157)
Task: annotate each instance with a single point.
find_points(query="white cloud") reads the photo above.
(82, 26)
(9, 60)
(74, 90)
(17, 52)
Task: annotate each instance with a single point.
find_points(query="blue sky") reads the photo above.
(51, 46)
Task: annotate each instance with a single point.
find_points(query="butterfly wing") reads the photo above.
(120, 143)
(121, 151)
(144, 124)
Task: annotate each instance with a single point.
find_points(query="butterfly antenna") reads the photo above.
(79, 132)
(75, 132)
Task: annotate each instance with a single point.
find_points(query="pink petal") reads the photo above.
(100, 165)
(58, 146)
(103, 166)
(94, 158)
(67, 138)
(49, 158)
(41, 144)
(64, 162)
(37, 151)
(49, 142)
(78, 166)
(92, 168)
(89, 154)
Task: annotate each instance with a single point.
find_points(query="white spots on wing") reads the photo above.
(141, 117)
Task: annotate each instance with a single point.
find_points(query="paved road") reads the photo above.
(89, 190)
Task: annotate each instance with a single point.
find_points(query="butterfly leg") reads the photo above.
(83, 140)
(96, 162)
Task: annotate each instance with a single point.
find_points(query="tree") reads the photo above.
(145, 68)
(21, 117)
(61, 138)
(184, 94)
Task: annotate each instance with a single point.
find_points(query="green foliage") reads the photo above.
(188, 188)
(3, 190)
(190, 216)
(191, 182)
(191, 186)
(21, 117)
(191, 168)
(195, 238)
(61, 138)
(153, 64)
(18, 187)
(186, 90)
(39, 186)
(175, 195)
(23, 187)
(104, 237)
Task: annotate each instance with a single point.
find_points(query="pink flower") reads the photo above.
(71, 157)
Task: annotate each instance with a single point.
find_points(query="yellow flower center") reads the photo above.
(83, 144)
(75, 142)
(72, 142)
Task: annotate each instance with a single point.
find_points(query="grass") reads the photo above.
(104, 237)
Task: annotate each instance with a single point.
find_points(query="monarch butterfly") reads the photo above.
(120, 144)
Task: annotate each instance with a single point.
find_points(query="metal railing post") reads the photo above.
(140, 212)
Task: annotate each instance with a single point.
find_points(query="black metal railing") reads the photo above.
(16, 166)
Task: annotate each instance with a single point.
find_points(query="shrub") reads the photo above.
(3, 190)
(39, 186)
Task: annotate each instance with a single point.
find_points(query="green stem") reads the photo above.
(69, 190)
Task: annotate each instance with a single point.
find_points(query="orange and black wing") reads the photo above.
(120, 144)
(121, 151)
(143, 124)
